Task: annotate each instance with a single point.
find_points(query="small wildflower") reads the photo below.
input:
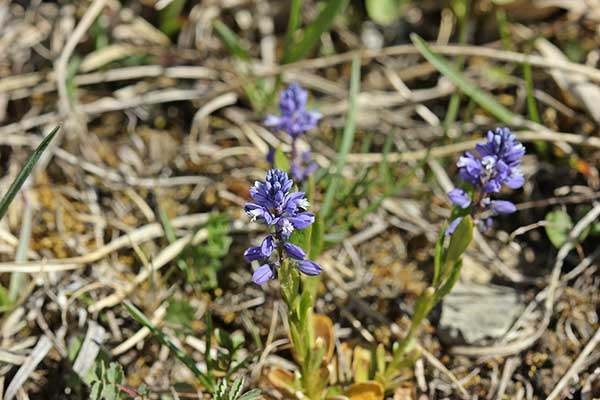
(294, 120)
(283, 211)
(497, 163)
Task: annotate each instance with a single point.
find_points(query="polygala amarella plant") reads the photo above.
(284, 211)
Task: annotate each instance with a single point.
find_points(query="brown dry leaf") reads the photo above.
(323, 328)
(369, 390)
(282, 380)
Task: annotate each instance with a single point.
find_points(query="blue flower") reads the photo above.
(500, 158)
(460, 198)
(497, 163)
(283, 211)
(308, 267)
(503, 207)
(263, 274)
(294, 118)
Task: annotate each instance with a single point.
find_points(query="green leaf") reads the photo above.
(532, 110)
(251, 395)
(110, 392)
(22, 176)
(449, 284)
(208, 344)
(347, 139)
(191, 364)
(466, 86)
(100, 371)
(220, 390)
(439, 252)
(384, 12)
(17, 279)
(558, 227)
(231, 41)
(293, 23)
(114, 374)
(236, 388)
(459, 241)
(281, 160)
(170, 234)
(96, 391)
(224, 339)
(170, 17)
(312, 33)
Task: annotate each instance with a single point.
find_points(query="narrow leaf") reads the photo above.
(459, 240)
(281, 160)
(466, 86)
(347, 139)
(231, 41)
(312, 33)
(22, 176)
(142, 319)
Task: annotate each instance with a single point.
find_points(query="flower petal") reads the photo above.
(294, 251)
(262, 274)
(503, 207)
(308, 267)
(253, 253)
(267, 246)
(459, 198)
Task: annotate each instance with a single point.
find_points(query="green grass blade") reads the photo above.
(231, 41)
(347, 139)
(466, 86)
(293, 23)
(17, 279)
(170, 235)
(142, 319)
(170, 17)
(312, 33)
(22, 177)
(532, 110)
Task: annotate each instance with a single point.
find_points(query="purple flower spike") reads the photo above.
(294, 118)
(503, 207)
(308, 267)
(460, 198)
(262, 274)
(496, 164)
(499, 163)
(282, 211)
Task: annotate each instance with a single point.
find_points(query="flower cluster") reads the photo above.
(295, 120)
(497, 164)
(283, 211)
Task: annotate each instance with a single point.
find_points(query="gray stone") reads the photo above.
(476, 314)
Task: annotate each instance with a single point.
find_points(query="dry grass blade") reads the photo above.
(38, 353)
(90, 348)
